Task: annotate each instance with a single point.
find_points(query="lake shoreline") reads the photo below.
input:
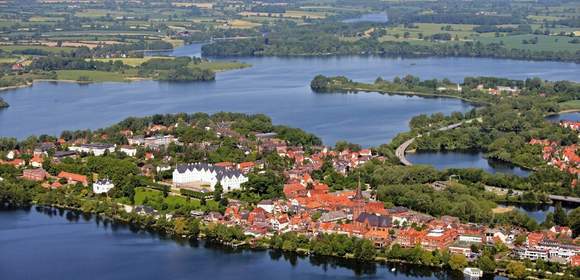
(231, 245)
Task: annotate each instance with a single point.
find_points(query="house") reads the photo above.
(410, 237)
(128, 150)
(333, 216)
(12, 154)
(209, 174)
(461, 248)
(438, 239)
(36, 161)
(575, 261)
(374, 221)
(534, 238)
(60, 155)
(267, 205)
(37, 174)
(95, 149)
(144, 210)
(246, 167)
(380, 238)
(102, 186)
(531, 253)
(73, 178)
(15, 162)
(561, 230)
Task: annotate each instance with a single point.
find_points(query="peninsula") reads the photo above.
(242, 181)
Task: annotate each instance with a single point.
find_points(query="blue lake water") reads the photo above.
(59, 245)
(575, 116)
(375, 18)
(444, 160)
(276, 86)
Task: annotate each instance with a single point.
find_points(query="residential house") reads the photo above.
(95, 149)
(128, 150)
(37, 174)
(73, 178)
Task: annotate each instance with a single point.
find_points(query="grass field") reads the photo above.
(90, 76)
(219, 66)
(11, 48)
(132, 61)
(570, 105)
(154, 198)
(545, 42)
(8, 59)
(237, 23)
(289, 14)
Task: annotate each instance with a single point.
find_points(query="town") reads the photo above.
(305, 206)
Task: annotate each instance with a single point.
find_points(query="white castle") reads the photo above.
(102, 186)
(230, 179)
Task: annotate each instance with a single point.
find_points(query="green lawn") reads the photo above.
(131, 61)
(570, 105)
(155, 199)
(11, 48)
(219, 66)
(90, 76)
(545, 42)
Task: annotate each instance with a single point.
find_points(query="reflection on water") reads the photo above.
(575, 116)
(465, 159)
(101, 249)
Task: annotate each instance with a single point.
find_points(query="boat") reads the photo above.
(393, 269)
(472, 272)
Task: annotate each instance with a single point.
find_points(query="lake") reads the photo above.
(538, 212)
(374, 18)
(574, 116)
(444, 160)
(60, 244)
(276, 86)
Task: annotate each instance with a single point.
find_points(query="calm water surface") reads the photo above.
(64, 245)
(539, 212)
(278, 87)
(376, 18)
(443, 160)
(575, 116)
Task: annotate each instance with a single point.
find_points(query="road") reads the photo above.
(401, 150)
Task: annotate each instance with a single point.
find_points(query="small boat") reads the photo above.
(472, 272)
(393, 269)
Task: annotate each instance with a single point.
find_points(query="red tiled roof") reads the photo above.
(73, 177)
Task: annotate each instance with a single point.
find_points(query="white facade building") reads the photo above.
(209, 174)
(102, 186)
(128, 150)
(95, 149)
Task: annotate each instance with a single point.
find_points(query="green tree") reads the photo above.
(457, 262)
(218, 189)
(486, 263)
(516, 270)
(560, 216)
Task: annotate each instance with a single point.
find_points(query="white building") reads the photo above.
(470, 238)
(209, 174)
(102, 186)
(128, 150)
(95, 149)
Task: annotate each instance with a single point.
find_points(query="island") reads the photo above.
(3, 104)
(89, 70)
(241, 181)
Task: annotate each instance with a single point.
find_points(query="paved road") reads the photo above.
(400, 151)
